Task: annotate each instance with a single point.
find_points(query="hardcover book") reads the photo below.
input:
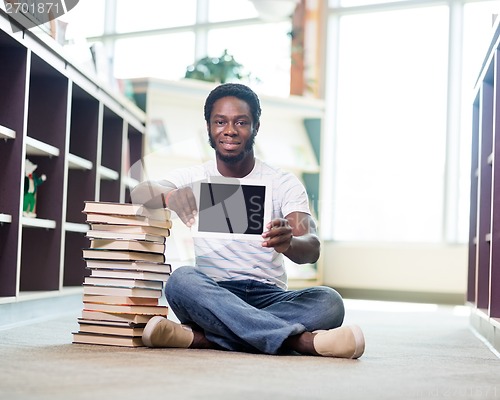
(121, 291)
(122, 282)
(128, 274)
(127, 309)
(132, 245)
(122, 255)
(104, 317)
(123, 324)
(130, 265)
(103, 207)
(115, 235)
(118, 230)
(109, 340)
(110, 329)
(94, 298)
(93, 218)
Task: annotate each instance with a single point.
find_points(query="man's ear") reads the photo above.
(256, 128)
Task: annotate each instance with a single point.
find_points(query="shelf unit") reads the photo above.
(483, 286)
(177, 137)
(81, 135)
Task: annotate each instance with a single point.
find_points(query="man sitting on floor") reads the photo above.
(235, 297)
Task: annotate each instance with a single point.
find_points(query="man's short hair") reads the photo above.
(237, 90)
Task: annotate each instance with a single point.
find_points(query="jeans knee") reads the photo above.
(333, 306)
(179, 281)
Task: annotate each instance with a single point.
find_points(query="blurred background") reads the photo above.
(394, 81)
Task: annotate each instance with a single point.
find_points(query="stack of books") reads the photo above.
(128, 269)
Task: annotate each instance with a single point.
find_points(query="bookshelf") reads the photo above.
(483, 284)
(81, 135)
(176, 136)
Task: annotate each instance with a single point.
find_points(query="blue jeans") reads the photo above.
(248, 315)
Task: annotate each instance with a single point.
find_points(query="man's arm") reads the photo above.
(295, 236)
(151, 193)
(166, 194)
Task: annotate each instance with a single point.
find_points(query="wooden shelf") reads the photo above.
(130, 182)
(38, 223)
(36, 147)
(75, 227)
(5, 218)
(71, 124)
(483, 291)
(76, 162)
(108, 174)
(7, 133)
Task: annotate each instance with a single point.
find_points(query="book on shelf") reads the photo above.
(121, 273)
(127, 308)
(108, 329)
(145, 301)
(118, 318)
(144, 266)
(139, 210)
(134, 245)
(121, 291)
(122, 282)
(123, 255)
(110, 340)
(115, 235)
(93, 218)
(129, 229)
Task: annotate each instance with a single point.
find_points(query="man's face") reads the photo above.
(231, 129)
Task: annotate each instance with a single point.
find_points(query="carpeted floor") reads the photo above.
(413, 352)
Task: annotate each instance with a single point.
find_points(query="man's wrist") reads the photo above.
(166, 197)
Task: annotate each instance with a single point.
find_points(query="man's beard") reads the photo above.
(230, 159)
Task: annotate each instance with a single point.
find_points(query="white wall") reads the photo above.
(399, 267)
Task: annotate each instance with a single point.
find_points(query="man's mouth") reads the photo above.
(229, 146)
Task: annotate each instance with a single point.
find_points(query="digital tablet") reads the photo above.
(232, 208)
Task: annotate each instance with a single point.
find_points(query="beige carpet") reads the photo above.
(413, 352)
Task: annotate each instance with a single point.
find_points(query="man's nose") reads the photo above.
(230, 130)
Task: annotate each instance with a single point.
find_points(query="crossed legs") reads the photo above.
(253, 317)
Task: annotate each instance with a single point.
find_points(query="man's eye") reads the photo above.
(219, 122)
(242, 122)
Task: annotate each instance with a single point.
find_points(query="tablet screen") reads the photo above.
(232, 208)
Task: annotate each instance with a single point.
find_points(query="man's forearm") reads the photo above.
(151, 193)
(304, 249)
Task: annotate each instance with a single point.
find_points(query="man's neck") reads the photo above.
(238, 170)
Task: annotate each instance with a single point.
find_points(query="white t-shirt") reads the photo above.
(241, 259)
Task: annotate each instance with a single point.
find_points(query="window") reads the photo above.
(352, 3)
(391, 126)
(222, 10)
(161, 56)
(79, 18)
(270, 64)
(395, 177)
(153, 14)
(185, 32)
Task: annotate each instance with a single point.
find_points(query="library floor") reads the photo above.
(414, 351)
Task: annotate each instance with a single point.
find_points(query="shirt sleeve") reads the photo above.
(293, 195)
